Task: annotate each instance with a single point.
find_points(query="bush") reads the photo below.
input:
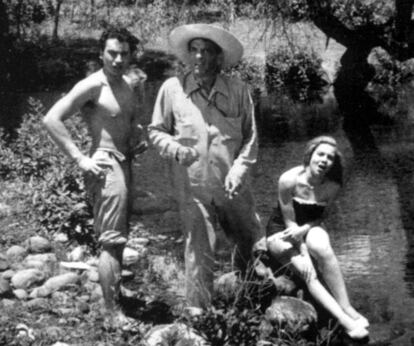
(298, 72)
(58, 201)
(250, 72)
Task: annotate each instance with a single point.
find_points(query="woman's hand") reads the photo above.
(294, 233)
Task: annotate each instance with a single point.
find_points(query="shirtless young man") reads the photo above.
(109, 107)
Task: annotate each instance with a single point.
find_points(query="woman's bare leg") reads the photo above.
(320, 248)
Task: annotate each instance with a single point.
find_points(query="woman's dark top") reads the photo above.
(304, 212)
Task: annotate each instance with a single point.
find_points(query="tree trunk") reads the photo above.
(56, 20)
(356, 106)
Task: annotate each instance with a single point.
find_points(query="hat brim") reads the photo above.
(181, 36)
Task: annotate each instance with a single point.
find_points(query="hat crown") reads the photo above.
(181, 36)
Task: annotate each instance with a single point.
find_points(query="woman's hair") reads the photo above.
(336, 172)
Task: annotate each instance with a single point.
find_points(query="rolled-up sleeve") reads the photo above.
(161, 129)
(248, 152)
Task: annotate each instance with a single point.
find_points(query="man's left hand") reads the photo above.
(232, 185)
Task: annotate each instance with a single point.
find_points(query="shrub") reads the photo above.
(58, 201)
(250, 72)
(298, 72)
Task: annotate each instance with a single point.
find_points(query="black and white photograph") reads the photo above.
(206, 173)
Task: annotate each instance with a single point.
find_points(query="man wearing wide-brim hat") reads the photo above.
(204, 122)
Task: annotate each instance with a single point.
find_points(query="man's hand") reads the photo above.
(186, 156)
(140, 148)
(95, 167)
(232, 185)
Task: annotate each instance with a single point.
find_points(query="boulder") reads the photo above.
(46, 262)
(20, 294)
(37, 244)
(54, 284)
(36, 304)
(27, 278)
(291, 313)
(176, 334)
(16, 253)
(8, 274)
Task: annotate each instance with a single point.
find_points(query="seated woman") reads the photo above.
(296, 235)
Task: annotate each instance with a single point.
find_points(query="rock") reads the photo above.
(16, 253)
(54, 284)
(130, 256)
(93, 275)
(8, 274)
(4, 264)
(291, 313)
(75, 265)
(27, 278)
(60, 344)
(138, 242)
(36, 304)
(46, 262)
(20, 294)
(5, 289)
(37, 244)
(40, 292)
(164, 334)
(227, 284)
(7, 303)
(61, 237)
(77, 254)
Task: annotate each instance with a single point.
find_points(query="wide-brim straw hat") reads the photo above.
(181, 36)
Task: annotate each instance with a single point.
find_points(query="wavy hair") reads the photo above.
(122, 35)
(336, 172)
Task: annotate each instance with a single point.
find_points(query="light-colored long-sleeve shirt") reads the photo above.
(221, 127)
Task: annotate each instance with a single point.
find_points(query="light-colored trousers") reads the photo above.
(109, 196)
(239, 221)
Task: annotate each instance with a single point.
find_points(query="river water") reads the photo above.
(371, 226)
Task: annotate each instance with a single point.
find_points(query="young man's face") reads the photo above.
(204, 58)
(116, 57)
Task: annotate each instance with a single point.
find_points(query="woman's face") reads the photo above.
(322, 159)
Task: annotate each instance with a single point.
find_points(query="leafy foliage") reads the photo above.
(251, 73)
(58, 197)
(299, 72)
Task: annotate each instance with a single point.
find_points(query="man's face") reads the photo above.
(204, 58)
(116, 57)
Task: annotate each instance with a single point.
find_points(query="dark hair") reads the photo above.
(336, 172)
(122, 35)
